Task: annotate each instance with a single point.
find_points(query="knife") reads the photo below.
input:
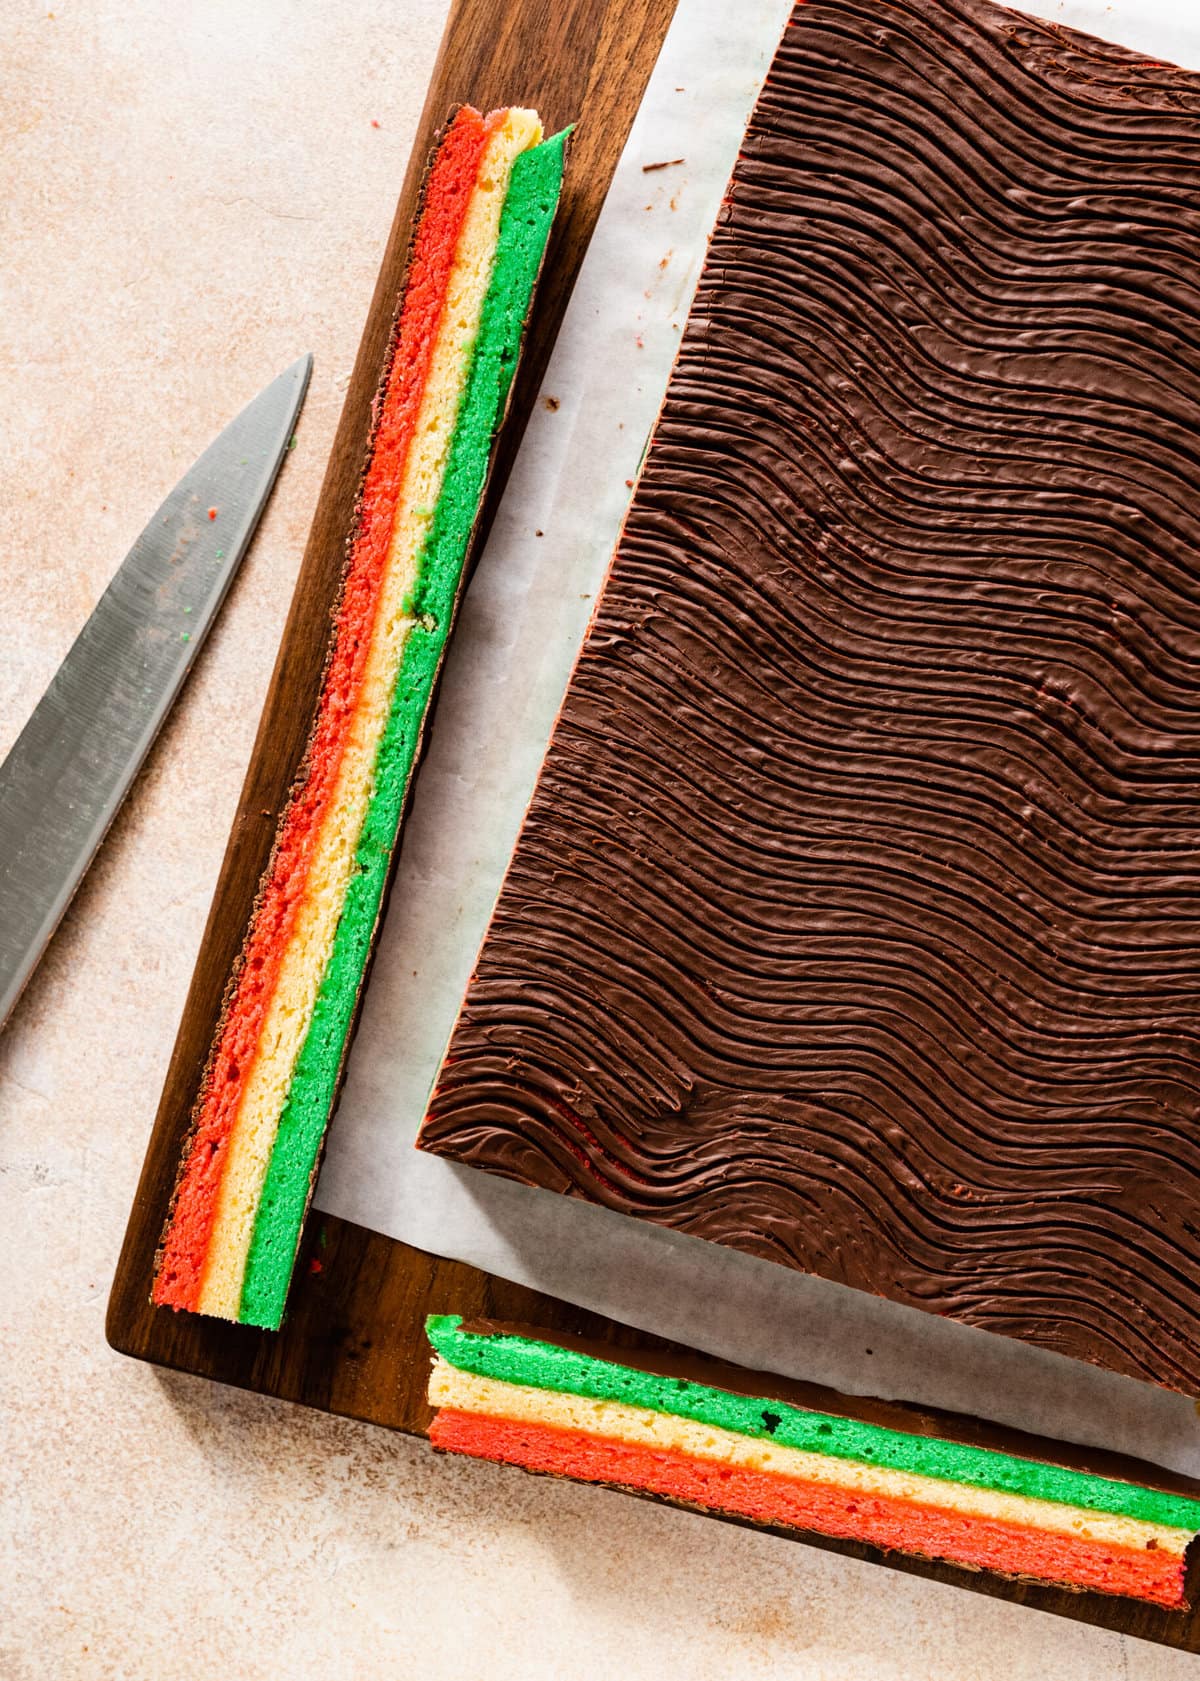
(72, 764)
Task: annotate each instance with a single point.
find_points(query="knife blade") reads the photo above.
(71, 766)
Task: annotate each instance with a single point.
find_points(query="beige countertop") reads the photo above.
(192, 195)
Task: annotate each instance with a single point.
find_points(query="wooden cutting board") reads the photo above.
(353, 1340)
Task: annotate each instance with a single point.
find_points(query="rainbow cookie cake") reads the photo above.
(248, 1167)
(793, 1456)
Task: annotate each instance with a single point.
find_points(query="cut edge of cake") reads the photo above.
(249, 1164)
(804, 1459)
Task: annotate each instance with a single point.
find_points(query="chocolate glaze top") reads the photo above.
(675, 1362)
(856, 918)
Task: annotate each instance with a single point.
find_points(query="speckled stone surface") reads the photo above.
(189, 197)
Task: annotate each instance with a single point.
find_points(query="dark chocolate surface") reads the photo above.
(855, 922)
(677, 1362)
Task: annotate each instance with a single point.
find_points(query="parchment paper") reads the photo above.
(523, 620)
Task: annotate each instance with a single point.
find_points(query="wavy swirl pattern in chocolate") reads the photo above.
(856, 919)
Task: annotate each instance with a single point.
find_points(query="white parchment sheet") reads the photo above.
(523, 620)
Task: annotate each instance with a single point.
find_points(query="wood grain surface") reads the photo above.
(353, 1341)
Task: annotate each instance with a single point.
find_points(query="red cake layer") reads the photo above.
(447, 196)
(850, 1514)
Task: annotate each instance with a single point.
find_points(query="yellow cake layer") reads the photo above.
(308, 950)
(471, 1393)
